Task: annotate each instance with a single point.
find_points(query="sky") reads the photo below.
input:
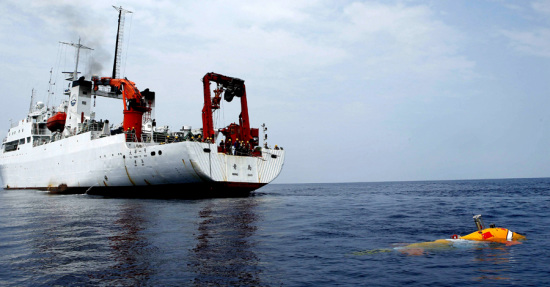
(354, 91)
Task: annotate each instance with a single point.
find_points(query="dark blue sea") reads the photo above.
(283, 235)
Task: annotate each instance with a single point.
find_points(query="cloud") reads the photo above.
(399, 40)
(366, 40)
(541, 6)
(305, 50)
(535, 42)
(532, 40)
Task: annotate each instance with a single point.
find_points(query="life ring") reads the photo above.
(454, 236)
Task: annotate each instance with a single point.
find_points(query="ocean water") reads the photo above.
(283, 235)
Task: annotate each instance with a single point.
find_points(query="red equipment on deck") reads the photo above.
(57, 122)
(134, 102)
(231, 87)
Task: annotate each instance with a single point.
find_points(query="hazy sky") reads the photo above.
(353, 90)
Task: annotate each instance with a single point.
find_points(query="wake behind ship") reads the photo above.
(66, 149)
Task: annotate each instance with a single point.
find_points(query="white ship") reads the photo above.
(65, 149)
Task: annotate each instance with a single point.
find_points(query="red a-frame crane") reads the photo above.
(231, 87)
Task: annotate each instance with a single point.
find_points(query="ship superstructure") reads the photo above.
(66, 149)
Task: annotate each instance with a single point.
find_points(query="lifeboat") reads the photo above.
(57, 122)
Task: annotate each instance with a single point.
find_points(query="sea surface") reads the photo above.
(284, 235)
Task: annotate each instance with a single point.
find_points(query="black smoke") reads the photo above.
(96, 30)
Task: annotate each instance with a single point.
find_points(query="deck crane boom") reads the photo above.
(134, 102)
(119, 36)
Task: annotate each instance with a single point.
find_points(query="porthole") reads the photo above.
(152, 153)
(160, 152)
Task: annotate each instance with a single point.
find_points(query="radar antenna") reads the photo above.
(78, 47)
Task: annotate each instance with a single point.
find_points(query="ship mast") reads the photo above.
(118, 44)
(32, 101)
(49, 88)
(77, 46)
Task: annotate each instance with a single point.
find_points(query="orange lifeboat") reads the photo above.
(57, 122)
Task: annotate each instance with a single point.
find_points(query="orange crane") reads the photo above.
(134, 102)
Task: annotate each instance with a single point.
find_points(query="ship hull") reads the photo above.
(112, 166)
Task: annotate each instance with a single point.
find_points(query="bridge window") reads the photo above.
(11, 146)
